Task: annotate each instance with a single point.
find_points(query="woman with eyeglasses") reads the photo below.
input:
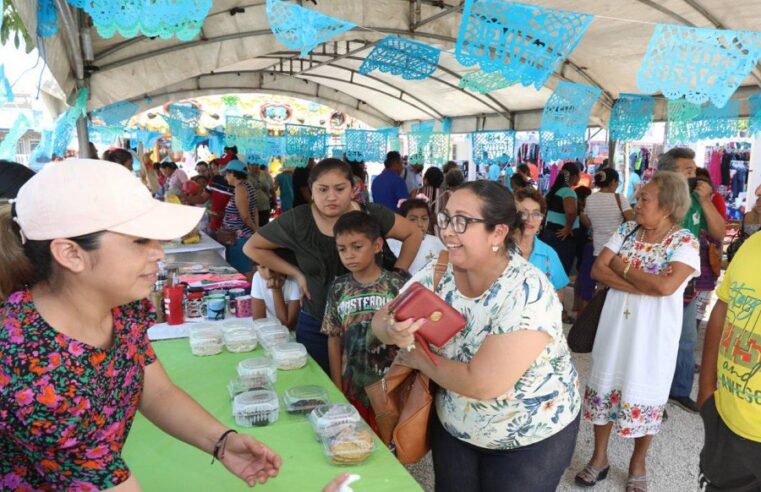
(507, 407)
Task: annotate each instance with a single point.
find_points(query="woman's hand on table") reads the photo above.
(250, 460)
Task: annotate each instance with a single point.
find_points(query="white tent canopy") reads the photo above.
(238, 53)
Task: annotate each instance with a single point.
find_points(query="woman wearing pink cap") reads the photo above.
(75, 360)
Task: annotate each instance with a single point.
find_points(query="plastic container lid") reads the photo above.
(328, 420)
(205, 339)
(290, 355)
(256, 408)
(240, 339)
(261, 323)
(237, 323)
(262, 368)
(303, 399)
(271, 336)
(351, 445)
(242, 384)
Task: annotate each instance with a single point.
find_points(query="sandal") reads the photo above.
(636, 484)
(589, 476)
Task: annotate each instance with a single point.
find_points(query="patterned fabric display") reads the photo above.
(526, 43)
(305, 140)
(562, 134)
(8, 146)
(410, 59)
(6, 91)
(248, 134)
(183, 121)
(493, 147)
(428, 148)
(483, 83)
(365, 145)
(631, 117)
(690, 122)
(755, 114)
(392, 138)
(698, 64)
(157, 18)
(302, 29)
(47, 18)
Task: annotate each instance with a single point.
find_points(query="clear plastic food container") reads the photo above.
(256, 408)
(238, 324)
(351, 445)
(262, 323)
(290, 355)
(205, 339)
(240, 339)
(270, 336)
(242, 384)
(301, 400)
(328, 420)
(260, 369)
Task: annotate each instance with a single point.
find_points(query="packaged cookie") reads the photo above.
(290, 355)
(240, 339)
(256, 408)
(328, 420)
(352, 445)
(301, 400)
(205, 339)
(258, 368)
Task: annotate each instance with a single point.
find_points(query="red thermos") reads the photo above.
(174, 295)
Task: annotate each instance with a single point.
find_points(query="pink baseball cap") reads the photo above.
(82, 196)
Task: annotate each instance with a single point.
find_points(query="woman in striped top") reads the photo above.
(240, 216)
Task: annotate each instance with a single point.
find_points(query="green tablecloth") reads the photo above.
(162, 463)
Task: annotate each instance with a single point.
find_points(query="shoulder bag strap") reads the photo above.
(440, 268)
(620, 208)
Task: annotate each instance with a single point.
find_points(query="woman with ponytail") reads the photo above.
(562, 215)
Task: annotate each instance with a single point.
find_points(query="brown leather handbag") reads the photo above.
(403, 402)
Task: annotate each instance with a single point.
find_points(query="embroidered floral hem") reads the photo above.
(629, 419)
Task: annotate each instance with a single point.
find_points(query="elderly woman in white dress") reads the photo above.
(647, 265)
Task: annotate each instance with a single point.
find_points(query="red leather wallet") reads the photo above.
(443, 321)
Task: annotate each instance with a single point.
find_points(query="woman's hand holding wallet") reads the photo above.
(400, 333)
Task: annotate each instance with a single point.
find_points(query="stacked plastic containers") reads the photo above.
(205, 339)
(256, 408)
(345, 438)
(239, 336)
(289, 355)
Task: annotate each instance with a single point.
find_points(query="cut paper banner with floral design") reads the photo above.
(631, 117)
(483, 83)
(392, 138)
(183, 122)
(525, 43)
(248, 134)
(562, 134)
(305, 140)
(154, 18)
(10, 141)
(755, 114)
(491, 147)
(6, 91)
(698, 64)
(365, 145)
(397, 56)
(116, 114)
(430, 148)
(690, 122)
(303, 29)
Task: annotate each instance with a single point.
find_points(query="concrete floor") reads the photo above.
(672, 460)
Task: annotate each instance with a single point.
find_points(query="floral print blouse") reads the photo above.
(66, 407)
(546, 398)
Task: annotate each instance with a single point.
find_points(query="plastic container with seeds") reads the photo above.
(301, 400)
(260, 369)
(205, 339)
(290, 355)
(256, 408)
(237, 324)
(263, 323)
(328, 420)
(351, 445)
(270, 336)
(242, 384)
(240, 339)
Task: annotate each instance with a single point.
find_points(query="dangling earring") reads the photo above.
(495, 249)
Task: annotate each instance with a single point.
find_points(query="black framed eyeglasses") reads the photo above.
(459, 222)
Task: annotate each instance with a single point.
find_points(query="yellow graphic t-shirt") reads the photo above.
(738, 397)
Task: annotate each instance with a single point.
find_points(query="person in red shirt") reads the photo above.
(220, 192)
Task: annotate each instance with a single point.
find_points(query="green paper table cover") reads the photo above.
(161, 462)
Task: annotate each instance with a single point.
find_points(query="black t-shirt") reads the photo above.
(300, 179)
(316, 254)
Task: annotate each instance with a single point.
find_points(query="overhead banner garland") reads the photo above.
(631, 117)
(698, 64)
(690, 122)
(305, 140)
(755, 114)
(525, 43)
(302, 29)
(6, 91)
(155, 18)
(10, 142)
(483, 83)
(397, 56)
(47, 18)
(431, 148)
(365, 145)
(562, 134)
(183, 122)
(116, 114)
(248, 134)
(392, 138)
(493, 147)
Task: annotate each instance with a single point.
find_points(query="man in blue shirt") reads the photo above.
(389, 187)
